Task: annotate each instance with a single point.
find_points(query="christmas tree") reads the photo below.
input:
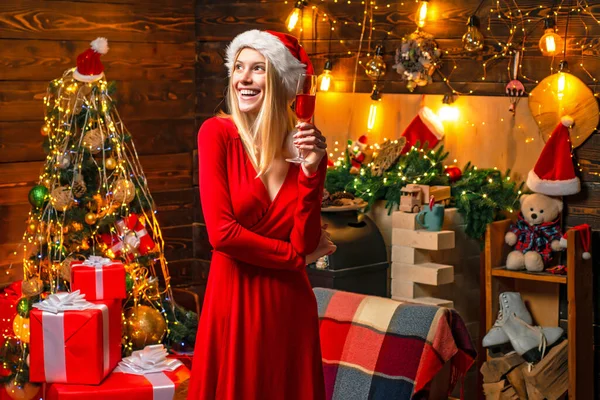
(92, 203)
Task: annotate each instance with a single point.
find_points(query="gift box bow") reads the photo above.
(61, 302)
(150, 360)
(96, 261)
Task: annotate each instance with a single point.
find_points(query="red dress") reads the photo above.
(258, 336)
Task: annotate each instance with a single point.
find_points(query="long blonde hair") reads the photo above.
(264, 136)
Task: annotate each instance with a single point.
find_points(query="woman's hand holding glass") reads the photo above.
(309, 141)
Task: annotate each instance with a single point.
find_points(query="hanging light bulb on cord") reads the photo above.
(422, 13)
(375, 68)
(473, 39)
(324, 80)
(376, 97)
(550, 42)
(295, 15)
(448, 112)
(561, 82)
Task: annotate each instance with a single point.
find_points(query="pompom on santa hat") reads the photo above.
(89, 67)
(426, 127)
(554, 173)
(283, 51)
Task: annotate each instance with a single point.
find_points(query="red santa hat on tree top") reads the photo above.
(554, 173)
(425, 127)
(89, 67)
(283, 51)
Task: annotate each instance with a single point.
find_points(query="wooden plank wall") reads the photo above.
(151, 57)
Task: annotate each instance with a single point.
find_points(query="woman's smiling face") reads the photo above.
(249, 80)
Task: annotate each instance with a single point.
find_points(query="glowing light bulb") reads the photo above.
(325, 78)
(561, 82)
(550, 43)
(448, 112)
(560, 85)
(376, 97)
(372, 116)
(295, 15)
(422, 13)
(473, 39)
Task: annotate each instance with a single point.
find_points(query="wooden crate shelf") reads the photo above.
(530, 276)
(542, 290)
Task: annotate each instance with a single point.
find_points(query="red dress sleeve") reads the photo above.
(307, 219)
(225, 234)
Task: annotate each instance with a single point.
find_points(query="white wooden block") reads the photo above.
(423, 239)
(404, 220)
(427, 273)
(402, 288)
(430, 301)
(409, 255)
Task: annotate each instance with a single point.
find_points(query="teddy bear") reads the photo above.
(536, 233)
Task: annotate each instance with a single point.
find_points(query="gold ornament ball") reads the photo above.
(17, 391)
(21, 328)
(144, 326)
(110, 163)
(123, 191)
(90, 218)
(45, 130)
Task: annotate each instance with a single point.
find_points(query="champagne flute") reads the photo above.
(306, 94)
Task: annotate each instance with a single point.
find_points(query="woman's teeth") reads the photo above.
(247, 92)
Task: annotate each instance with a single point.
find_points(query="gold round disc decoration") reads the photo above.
(563, 94)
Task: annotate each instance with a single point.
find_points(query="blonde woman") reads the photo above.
(259, 335)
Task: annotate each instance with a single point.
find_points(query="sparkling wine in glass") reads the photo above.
(306, 95)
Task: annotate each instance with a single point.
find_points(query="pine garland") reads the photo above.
(481, 195)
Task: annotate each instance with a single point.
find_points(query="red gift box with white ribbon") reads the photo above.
(99, 278)
(73, 340)
(157, 381)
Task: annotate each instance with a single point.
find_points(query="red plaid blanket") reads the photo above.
(378, 348)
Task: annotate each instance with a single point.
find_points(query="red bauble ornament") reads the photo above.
(453, 172)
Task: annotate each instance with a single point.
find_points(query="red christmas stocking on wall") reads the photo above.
(426, 127)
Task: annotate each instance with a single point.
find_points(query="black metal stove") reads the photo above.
(360, 263)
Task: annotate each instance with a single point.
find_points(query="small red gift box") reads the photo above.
(157, 386)
(75, 346)
(99, 278)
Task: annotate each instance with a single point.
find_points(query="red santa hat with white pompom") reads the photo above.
(89, 67)
(554, 173)
(586, 233)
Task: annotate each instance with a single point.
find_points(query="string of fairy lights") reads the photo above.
(505, 16)
(520, 25)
